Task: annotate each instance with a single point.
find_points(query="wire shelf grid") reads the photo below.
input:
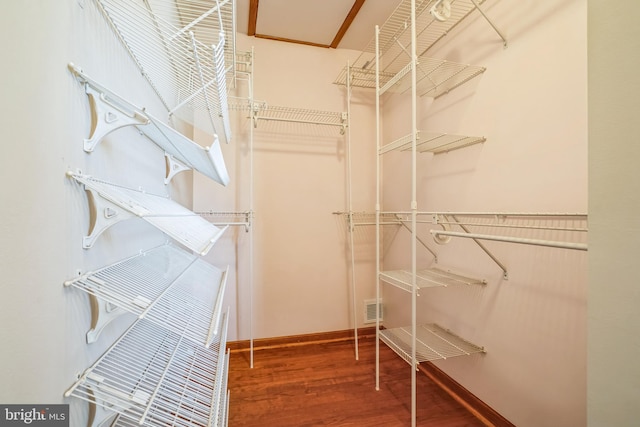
(432, 142)
(170, 217)
(433, 342)
(166, 285)
(427, 278)
(153, 376)
(263, 111)
(435, 77)
(186, 73)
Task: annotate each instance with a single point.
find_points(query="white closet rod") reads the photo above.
(535, 242)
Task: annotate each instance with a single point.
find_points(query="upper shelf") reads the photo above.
(153, 376)
(435, 77)
(166, 285)
(110, 112)
(182, 48)
(114, 203)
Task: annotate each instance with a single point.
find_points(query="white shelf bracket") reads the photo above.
(174, 167)
(99, 415)
(107, 116)
(103, 313)
(104, 215)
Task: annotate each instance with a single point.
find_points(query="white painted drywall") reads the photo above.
(614, 319)
(301, 270)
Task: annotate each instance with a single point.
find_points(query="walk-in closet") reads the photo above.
(301, 213)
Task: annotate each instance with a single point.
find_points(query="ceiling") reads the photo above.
(344, 24)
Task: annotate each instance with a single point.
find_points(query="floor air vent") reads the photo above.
(370, 311)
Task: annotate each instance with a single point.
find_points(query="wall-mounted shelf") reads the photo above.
(166, 285)
(113, 203)
(435, 77)
(427, 278)
(156, 377)
(433, 343)
(111, 111)
(432, 142)
(265, 112)
(180, 48)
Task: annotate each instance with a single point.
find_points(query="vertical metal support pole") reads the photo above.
(414, 212)
(350, 207)
(378, 178)
(251, 233)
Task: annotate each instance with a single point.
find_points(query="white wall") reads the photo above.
(614, 319)
(301, 267)
(531, 105)
(44, 213)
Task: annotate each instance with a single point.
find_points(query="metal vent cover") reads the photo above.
(370, 311)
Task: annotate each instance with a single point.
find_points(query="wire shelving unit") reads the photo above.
(115, 203)
(157, 377)
(395, 61)
(185, 49)
(166, 285)
(433, 343)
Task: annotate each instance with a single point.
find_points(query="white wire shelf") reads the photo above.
(433, 342)
(115, 203)
(432, 142)
(265, 112)
(435, 77)
(395, 33)
(111, 111)
(166, 285)
(181, 47)
(156, 377)
(427, 278)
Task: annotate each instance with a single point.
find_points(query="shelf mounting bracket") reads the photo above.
(104, 214)
(174, 167)
(103, 313)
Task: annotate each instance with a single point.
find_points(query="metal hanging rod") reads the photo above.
(537, 242)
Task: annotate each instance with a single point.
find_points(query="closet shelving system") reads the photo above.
(170, 366)
(396, 61)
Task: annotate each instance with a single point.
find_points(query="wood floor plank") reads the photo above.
(322, 384)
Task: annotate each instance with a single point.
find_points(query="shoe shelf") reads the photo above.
(181, 47)
(166, 285)
(154, 376)
(110, 112)
(113, 203)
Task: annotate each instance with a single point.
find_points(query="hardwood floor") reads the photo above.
(322, 384)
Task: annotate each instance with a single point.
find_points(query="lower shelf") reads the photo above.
(155, 377)
(433, 342)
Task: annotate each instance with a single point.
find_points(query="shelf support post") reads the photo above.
(504, 39)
